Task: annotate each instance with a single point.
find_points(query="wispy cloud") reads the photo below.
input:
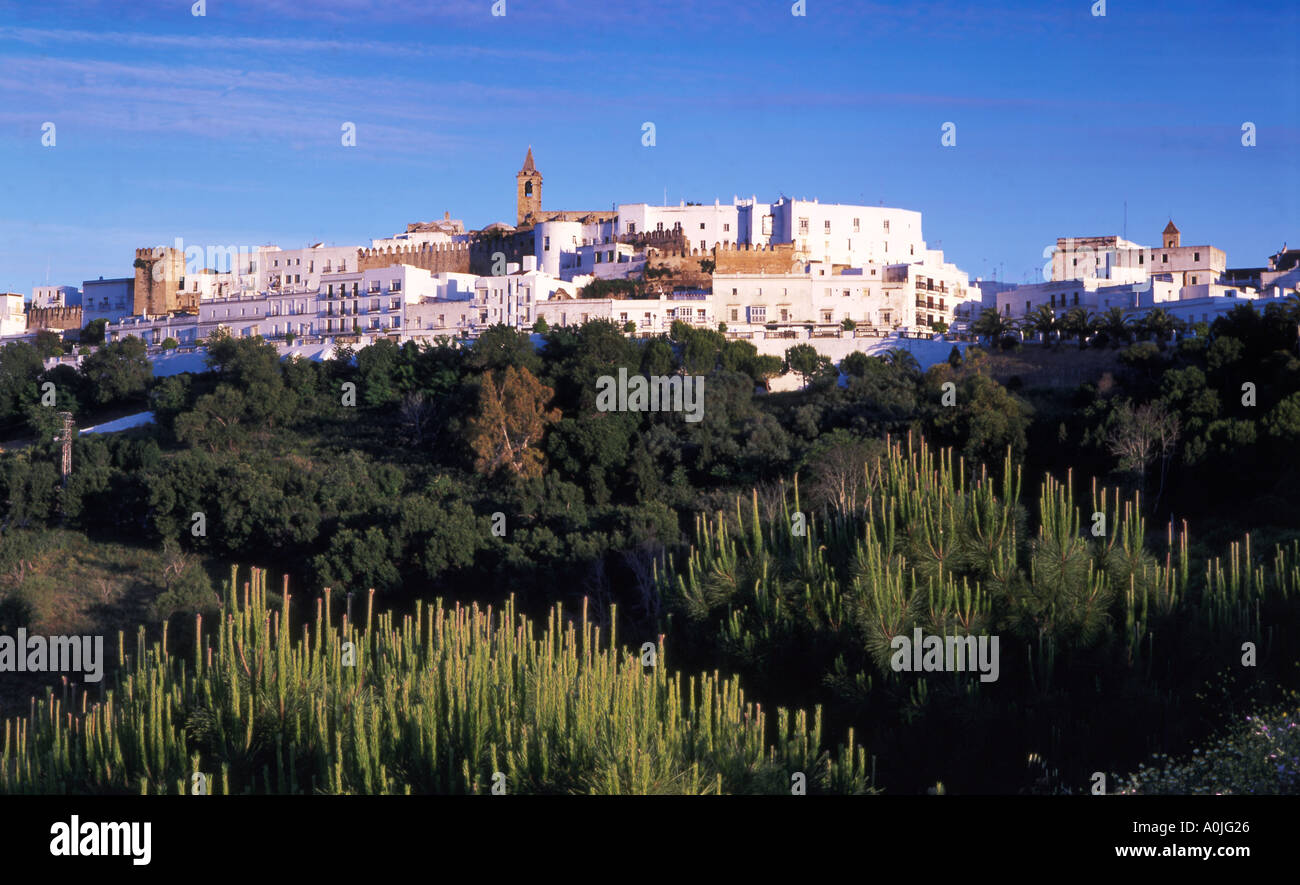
(274, 47)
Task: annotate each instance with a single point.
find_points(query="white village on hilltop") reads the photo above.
(840, 277)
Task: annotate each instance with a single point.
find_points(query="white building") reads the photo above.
(109, 300)
(55, 296)
(301, 270)
(13, 314)
(847, 234)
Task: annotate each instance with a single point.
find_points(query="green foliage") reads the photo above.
(804, 360)
(1257, 755)
(118, 372)
(614, 289)
(48, 344)
(93, 333)
(377, 705)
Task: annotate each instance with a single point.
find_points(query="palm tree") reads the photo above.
(1159, 323)
(1044, 322)
(901, 359)
(1080, 323)
(992, 325)
(1117, 329)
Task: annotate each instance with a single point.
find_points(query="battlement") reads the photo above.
(53, 318)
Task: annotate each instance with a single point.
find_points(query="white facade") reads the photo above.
(846, 234)
(56, 296)
(297, 270)
(110, 300)
(13, 314)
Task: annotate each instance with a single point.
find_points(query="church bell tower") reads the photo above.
(528, 192)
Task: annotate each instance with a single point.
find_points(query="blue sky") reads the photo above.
(225, 129)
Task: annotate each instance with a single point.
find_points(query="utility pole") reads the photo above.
(66, 438)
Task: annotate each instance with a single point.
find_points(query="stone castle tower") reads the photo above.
(1172, 236)
(528, 191)
(160, 281)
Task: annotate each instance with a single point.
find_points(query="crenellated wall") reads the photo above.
(53, 318)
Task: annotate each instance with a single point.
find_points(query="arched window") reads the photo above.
(528, 188)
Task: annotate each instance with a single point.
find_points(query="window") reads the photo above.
(1053, 301)
(1076, 263)
(726, 227)
(1140, 257)
(1193, 279)
(1076, 299)
(735, 314)
(701, 225)
(846, 293)
(856, 227)
(785, 315)
(826, 226)
(311, 266)
(886, 225)
(395, 286)
(1196, 256)
(329, 291)
(767, 224)
(631, 227)
(659, 226)
(396, 304)
(757, 313)
(343, 266)
(546, 244)
(1164, 258)
(374, 304)
(374, 285)
(702, 246)
(826, 316)
(803, 225)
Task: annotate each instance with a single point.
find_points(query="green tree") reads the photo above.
(118, 372)
(804, 360)
(500, 346)
(1080, 324)
(992, 325)
(1116, 327)
(93, 333)
(48, 344)
(1044, 322)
